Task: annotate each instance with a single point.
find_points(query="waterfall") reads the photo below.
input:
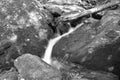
(47, 56)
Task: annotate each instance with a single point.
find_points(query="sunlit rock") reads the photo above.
(32, 67)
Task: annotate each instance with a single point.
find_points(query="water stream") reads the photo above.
(47, 56)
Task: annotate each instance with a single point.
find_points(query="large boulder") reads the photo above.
(31, 67)
(95, 45)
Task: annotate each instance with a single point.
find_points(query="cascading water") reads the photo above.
(47, 56)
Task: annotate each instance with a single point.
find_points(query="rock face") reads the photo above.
(32, 67)
(94, 45)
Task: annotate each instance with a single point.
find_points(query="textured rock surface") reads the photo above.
(31, 67)
(26, 26)
(84, 74)
(9, 75)
(94, 45)
(23, 29)
(71, 71)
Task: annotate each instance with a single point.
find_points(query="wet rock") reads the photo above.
(71, 71)
(32, 67)
(94, 45)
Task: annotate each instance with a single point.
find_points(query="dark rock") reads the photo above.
(63, 27)
(94, 45)
(32, 67)
(88, 75)
(71, 71)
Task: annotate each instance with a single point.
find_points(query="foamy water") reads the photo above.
(47, 56)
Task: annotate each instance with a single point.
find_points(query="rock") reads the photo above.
(71, 71)
(25, 25)
(9, 75)
(84, 74)
(95, 45)
(32, 67)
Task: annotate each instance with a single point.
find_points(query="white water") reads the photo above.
(47, 56)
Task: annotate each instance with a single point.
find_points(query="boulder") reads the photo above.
(31, 67)
(94, 45)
